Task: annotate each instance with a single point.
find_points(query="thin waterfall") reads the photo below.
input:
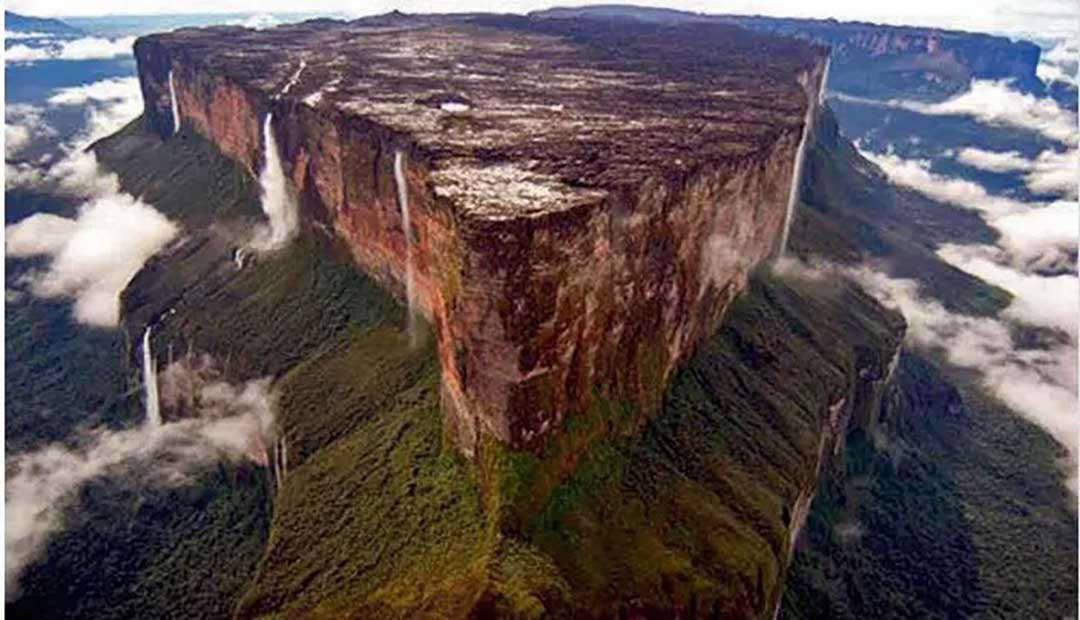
(150, 382)
(824, 81)
(812, 102)
(175, 106)
(406, 226)
(278, 204)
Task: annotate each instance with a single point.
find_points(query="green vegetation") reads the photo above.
(851, 210)
(146, 551)
(953, 507)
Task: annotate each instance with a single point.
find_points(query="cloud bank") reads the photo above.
(23, 123)
(85, 48)
(236, 425)
(1059, 63)
(993, 103)
(1050, 173)
(94, 255)
(1039, 383)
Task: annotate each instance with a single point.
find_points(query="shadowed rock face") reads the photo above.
(586, 198)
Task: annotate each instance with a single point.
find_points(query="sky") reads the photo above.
(1032, 17)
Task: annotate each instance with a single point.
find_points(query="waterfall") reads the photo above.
(150, 382)
(277, 202)
(175, 106)
(800, 154)
(824, 80)
(406, 226)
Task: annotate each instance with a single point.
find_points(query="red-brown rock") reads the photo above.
(586, 199)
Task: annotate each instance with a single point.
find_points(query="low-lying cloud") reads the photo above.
(1052, 172)
(1039, 383)
(1036, 236)
(94, 255)
(85, 48)
(1059, 63)
(236, 425)
(993, 103)
(14, 35)
(915, 174)
(23, 123)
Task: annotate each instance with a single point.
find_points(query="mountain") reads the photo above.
(13, 22)
(533, 350)
(592, 278)
(871, 60)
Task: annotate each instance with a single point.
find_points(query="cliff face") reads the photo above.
(585, 201)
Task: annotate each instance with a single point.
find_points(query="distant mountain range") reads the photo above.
(13, 22)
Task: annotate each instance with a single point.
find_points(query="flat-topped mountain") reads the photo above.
(871, 60)
(572, 204)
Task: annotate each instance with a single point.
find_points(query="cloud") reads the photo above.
(1037, 236)
(993, 161)
(1059, 63)
(14, 35)
(1038, 383)
(23, 123)
(993, 103)
(915, 174)
(1050, 173)
(1055, 172)
(113, 89)
(93, 256)
(42, 485)
(1042, 239)
(259, 21)
(85, 48)
(1043, 301)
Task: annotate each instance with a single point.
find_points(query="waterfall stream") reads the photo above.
(278, 204)
(150, 382)
(406, 226)
(812, 102)
(175, 106)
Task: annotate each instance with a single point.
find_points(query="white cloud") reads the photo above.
(85, 48)
(915, 174)
(94, 255)
(1041, 239)
(1036, 236)
(994, 161)
(258, 21)
(113, 89)
(1044, 301)
(22, 124)
(1055, 172)
(1059, 64)
(15, 35)
(1039, 384)
(994, 103)
(1051, 172)
(236, 424)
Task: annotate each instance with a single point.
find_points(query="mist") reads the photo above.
(234, 424)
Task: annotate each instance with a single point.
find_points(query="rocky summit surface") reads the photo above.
(586, 198)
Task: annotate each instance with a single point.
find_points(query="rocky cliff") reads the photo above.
(584, 201)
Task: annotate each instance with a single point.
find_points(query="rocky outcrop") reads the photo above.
(585, 201)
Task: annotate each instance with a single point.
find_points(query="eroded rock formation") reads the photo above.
(586, 199)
